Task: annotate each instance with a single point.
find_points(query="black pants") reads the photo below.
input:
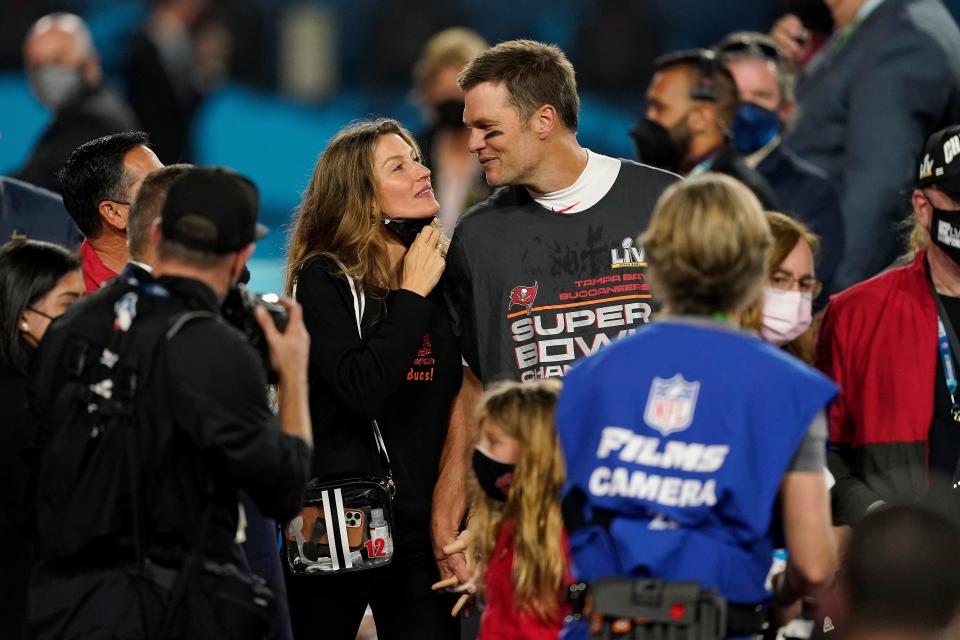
(331, 607)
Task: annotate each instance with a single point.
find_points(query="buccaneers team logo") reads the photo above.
(523, 297)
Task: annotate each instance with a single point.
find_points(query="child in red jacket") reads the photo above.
(519, 547)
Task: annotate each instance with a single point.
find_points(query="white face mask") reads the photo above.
(55, 84)
(786, 314)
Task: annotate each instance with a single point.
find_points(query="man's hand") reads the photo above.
(450, 492)
(794, 38)
(452, 559)
(290, 350)
(454, 574)
(289, 354)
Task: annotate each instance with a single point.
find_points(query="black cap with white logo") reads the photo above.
(940, 163)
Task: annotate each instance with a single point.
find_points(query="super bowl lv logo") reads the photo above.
(523, 296)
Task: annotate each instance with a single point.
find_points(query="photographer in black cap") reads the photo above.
(151, 415)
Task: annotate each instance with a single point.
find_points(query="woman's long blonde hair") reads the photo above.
(787, 232)
(526, 412)
(339, 216)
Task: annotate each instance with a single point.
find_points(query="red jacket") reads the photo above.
(501, 620)
(878, 342)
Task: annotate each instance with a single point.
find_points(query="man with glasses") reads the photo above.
(765, 82)
(98, 182)
(890, 343)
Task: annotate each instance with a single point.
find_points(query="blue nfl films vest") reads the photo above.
(682, 434)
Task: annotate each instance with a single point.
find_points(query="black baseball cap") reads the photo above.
(940, 163)
(212, 209)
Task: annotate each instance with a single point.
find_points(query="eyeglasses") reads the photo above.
(808, 285)
(752, 46)
(117, 201)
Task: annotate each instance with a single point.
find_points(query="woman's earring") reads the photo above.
(24, 326)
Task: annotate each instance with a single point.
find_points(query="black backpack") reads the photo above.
(84, 390)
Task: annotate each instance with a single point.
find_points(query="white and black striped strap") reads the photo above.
(359, 305)
(336, 529)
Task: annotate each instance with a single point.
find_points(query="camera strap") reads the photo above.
(359, 305)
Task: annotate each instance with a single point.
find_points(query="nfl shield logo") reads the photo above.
(671, 404)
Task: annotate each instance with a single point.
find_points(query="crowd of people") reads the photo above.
(582, 396)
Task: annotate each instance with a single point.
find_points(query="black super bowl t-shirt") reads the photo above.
(530, 290)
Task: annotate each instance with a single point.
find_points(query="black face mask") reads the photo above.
(449, 114)
(406, 229)
(655, 147)
(945, 232)
(493, 476)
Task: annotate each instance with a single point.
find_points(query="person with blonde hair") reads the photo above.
(784, 315)
(679, 439)
(519, 548)
(365, 263)
(444, 144)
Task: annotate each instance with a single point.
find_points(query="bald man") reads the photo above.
(66, 77)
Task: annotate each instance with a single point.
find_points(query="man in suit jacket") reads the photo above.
(887, 78)
(27, 211)
(765, 83)
(66, 77)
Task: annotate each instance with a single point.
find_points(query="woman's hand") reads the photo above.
(424, 263)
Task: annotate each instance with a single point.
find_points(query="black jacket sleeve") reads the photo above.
(223, 405)
(361, 373)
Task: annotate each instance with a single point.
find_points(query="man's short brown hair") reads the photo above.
(535, 74)
(147, 206)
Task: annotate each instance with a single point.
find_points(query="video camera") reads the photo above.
(238, 310)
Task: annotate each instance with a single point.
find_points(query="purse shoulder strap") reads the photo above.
(359, 305)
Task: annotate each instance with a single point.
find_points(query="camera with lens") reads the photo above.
(238, 309)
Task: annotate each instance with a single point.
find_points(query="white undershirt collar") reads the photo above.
(594, 183)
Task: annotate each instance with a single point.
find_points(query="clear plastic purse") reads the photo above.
(345, 524)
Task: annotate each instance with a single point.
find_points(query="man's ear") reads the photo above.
(545, 120)
(155, 237)
(241, 258)
(245, 253)
(922, 208)
(700, 118)
(91, 69)
(786, 112)
(113, 215)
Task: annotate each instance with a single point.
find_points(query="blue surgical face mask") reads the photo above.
(754, 127)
